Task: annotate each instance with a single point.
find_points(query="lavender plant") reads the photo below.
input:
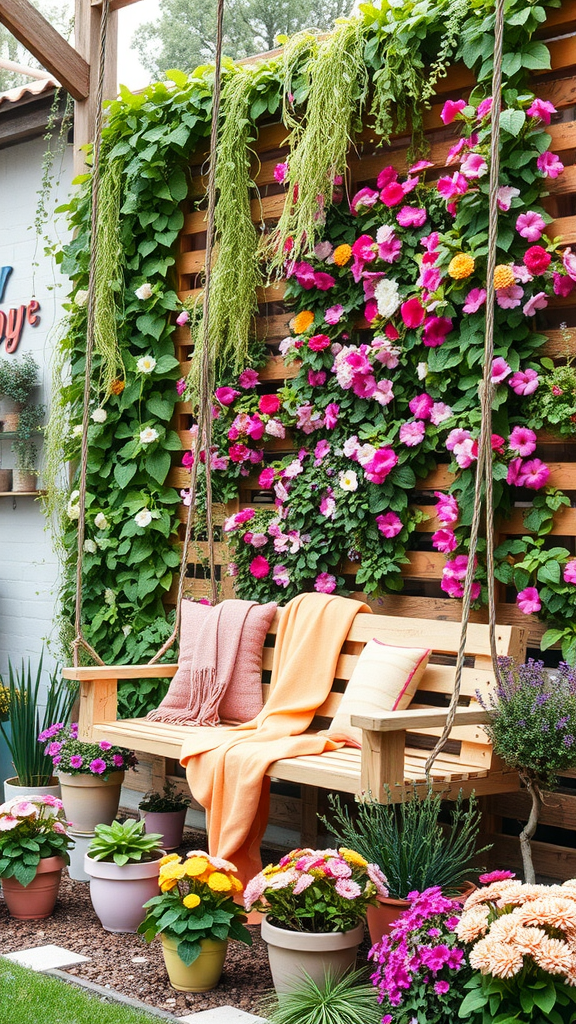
(532, 725)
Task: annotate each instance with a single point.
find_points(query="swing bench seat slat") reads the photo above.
(395, 744)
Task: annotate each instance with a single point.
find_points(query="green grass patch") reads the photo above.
(27, 996)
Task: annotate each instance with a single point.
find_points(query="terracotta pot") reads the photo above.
(380, 919)
(201, 976)
(170, 825)
(10, 422)
(12, 788)
(35, 900)
(5, 480)
(292, 955)
(90, 800)
(118, 894)
(24, 482)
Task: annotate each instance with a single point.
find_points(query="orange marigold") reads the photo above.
(504, 276)
(461, 266)
(117, 387)
(342, 254)
(302, 321)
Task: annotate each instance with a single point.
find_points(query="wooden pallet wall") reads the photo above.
(422, 595)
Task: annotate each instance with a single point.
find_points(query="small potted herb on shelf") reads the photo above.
(165, 812)
(123, 862)
(25, 474)
(18, 378)
(195, 915)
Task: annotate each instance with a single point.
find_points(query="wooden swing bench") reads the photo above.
(395, 744)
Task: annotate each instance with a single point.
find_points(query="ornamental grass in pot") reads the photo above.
(165, 812)
(315, 903)
(350, 999)
(33, 850)
(90, 774)
(195, 916)
(412, 848)
(123, 863)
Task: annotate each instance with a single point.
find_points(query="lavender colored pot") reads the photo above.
(118, 894)
(170, 825)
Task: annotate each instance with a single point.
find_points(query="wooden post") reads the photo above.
(98, 703)
(87, 40)
(46, 44)
(382, 762)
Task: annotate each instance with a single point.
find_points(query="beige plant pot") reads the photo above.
(12, 789)
(90, 800)
(5, 480)
(201, 976)
(24, 482)
(293, 955)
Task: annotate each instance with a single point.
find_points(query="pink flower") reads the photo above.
(421, 406)
(266, 478)
(410, 216)
(466, 453)
(444, 540)
(422, 165)
(338, 868)
(457, 436)
(348, 889)
(389, 524)
(484, 107)
(76, 761)
(409, 185)
(366, 197)
(117, 760)
(447, 507)
(506, 193)
(412, 434)
(413, 313)
(496, 876)
(183, 318)
(441, 987)
(570, 571)
(451, 109)
(528, 601)
(325, 583)
(105, 745)
(522, 440)
(248, 379)
(316, 378)
(392, 194)
(440, 412)
(500, 370)
(474, 300)
(534, 474)
(318, 342)
(226, 395)
(324, 281)
(334, 314)
(303, 882)
(451, 188)
(564, 285)
(524, 382)
(281, 576)
(538, 301)
(8, 822)
(473, 166)
(436, 329)
(513, 475)
(304, 274)
(331, 415)
(259, 567)
(380, 465)
(98, 766)
(387, 174)
(181, 386)
(536, 259)
(509, 298)
(430, 277)
(541, 109)
(550, 165)
(280, 172)
(384, 392)
(389, 246)
(569, 262)
(530, 225)
(269, 404)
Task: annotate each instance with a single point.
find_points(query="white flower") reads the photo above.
(109, 596)
(90, 547)
(77, 430)
(81, 297)
(75, 495)
(146, 364)
(149, 435)
(275, 429)
(285, 345)
(348, 480)
(101, 522)
(387, 297)
(144, 291)
(365, 454)
(143, 518)
(126, 630)
(73, 510)
(385, 233)
(99, 415)
(422, 371)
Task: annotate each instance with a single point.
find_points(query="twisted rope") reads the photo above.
(484, 478)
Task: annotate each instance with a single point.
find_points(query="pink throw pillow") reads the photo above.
(243, 698)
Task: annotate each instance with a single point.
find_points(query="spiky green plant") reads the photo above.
(27, 720)
(408, 842)
(350, 999)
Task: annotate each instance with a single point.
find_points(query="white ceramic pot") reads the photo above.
(90, 800)
(118, 894)
(12, 789)
(77, 854)
(293, 955)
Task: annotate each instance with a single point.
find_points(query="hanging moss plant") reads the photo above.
(108, 279)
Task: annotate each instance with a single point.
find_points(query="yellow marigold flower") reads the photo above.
(168, 858)
(236, 884)
(219, 882)
(504, 276)
(302, 321)
(195, 866)
(342, 254)
(461, 266)
(172, 870)
(191, 900)
(117, 386)
(168, 884)
(352, 857)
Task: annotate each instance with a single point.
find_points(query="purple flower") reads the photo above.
(117, 760)
(76, 761)
(98, 766)
(441, 988)
(105, 745)
(248, 379)
(325, 583)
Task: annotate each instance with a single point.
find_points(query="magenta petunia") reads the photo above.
(538, 301)
(410, 216)
(530, 225)
(534, 475)
(447, 507)
(564, 284)
(474, 300)
(259, 567)
(105, 745)
(550, 164)
(444, 540)
(117, 760)
(334, 314)
(528, 601)
(97, 766)
(331, 415)
(509, 298)
(451, 109)
(421, 406)
(542, 109)
(537, 260)
(387, 175)
(76, 761)
(392, 194)
(325, 583)
(412, 433)
(413, 313)
(280, 172)
(381, 464)
(473, 166)
(569, 263)
(389, 524)
(366, 198)
(500, 370)
(496, 876)
(268, 404)
(506, 193)
(324, 281)
(248, 379)
(318, 342)
(226, 395)
(523, 441)
(266, 478)
(569, 573)
(451, 188)
(484, 107)
(436, 330)
(524, 382)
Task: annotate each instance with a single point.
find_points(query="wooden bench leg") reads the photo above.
(158, 773)
(309, 816)
(382, 763)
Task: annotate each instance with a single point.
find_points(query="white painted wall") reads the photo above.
(28, 566)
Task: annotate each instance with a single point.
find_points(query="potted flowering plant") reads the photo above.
(165, 812)
(122, 863)
(315, 902)
(416, 963)
(91, 775)
(520, 945)
(18, 378)
(195, 915)
(33, 850)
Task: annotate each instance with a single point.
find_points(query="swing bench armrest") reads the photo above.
(94, 673)
(419, 718)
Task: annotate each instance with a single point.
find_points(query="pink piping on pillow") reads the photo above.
(411, 676)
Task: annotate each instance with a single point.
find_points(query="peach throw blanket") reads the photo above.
(226, 768)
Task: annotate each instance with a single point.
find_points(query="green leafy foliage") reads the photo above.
(170, 799)
(31, 829)
(125, 843)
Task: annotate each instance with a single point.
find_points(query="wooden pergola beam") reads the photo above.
(46, 44)
(115, 5)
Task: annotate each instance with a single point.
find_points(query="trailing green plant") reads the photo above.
(19, 377)
(33, 767)
(347, 999)
(29, 423)
(125, 843)
(409, 843)
(108, 280)
(170, 799)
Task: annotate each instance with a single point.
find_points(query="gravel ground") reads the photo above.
(127, 964)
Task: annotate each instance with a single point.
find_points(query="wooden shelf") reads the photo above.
(21, 494)
(11, 435)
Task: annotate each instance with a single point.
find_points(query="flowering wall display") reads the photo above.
(386, 288)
